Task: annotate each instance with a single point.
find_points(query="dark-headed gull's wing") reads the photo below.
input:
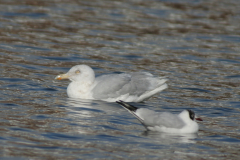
(166, 119)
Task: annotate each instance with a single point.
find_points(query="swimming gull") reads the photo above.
(164, 121)
(130, 87)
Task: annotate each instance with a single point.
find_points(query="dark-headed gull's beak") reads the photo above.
(199, 119)
(62, 76)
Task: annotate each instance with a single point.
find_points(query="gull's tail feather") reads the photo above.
(132, 109)
(127, 106)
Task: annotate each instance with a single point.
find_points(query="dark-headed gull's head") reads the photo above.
(189, 115)
(78, 73)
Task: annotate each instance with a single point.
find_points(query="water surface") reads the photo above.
(195, 44)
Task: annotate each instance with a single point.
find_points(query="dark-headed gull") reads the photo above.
(131, 87)
(164, 121)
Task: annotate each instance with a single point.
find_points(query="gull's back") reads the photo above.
(151, 118)
(134, 84)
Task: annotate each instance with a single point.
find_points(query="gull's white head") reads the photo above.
(78, 73)
(188, 115)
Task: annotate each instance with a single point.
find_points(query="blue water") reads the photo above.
(197, 50)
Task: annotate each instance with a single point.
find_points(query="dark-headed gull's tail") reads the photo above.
(132, 109)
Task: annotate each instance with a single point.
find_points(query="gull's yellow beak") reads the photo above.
(62, 76)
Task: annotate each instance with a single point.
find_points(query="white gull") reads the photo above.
(130, 87)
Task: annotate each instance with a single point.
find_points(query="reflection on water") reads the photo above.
(195, 44)
(168, 138)
(88, 107)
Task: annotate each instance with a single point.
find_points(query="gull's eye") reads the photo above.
(77, 71)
